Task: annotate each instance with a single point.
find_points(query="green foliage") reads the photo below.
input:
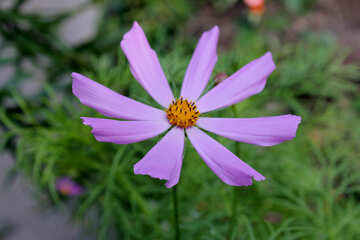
(299, 6)
(312, 185)
(311, 181)
(35, 38)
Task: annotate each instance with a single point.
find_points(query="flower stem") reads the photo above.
(234, 205)
(176, 212)
(233, 217)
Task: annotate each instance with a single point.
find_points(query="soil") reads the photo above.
(208, 17)
(341, 18)
(23, 217)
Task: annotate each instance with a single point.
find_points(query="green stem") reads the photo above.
(233, 217)
(176, 212)
(237, 144)
(234, 201)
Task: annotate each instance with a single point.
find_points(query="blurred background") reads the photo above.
(312, 189)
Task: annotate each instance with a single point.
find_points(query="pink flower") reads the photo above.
(181, 115)
(256, 7)
(68, 187)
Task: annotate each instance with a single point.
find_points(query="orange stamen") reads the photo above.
(182, 113)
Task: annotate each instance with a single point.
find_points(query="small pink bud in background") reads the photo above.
(68, 187)
(273, 217)
(220, 77)
(257, 7)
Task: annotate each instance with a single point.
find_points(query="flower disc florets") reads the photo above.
(182, 113)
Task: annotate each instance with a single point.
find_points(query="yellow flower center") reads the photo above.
(182, 113)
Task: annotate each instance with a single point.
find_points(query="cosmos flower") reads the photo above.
(68, 187)
(183, 115)
(257, 7)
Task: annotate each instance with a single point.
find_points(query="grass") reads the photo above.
(312, 187)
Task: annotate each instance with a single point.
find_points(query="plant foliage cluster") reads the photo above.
(312, 187)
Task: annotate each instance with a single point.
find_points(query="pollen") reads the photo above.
(182, 113)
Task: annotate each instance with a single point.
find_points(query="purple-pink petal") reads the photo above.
(110, 103)
(164, 160)
(145, 66)
(125, 132)
(229, 168)
(201, 65)
(247, 81)
(263, 131)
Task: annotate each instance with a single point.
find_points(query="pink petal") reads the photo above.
(110, 103)
(201, 65)
(229, 168)
(145, 65)
(125, 132)
(164, 160)
(247, 81)
(263, 131)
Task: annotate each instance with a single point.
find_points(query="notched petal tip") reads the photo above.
(75, 75)
(213, 33)
(268, 54)
(296, 118)
(139, 171)
(297, 121)
(76, 78)
(293, 124)
(135, 23)
(85, 121)
(135, 27)
(78, 82)
(215, 30)
(164, 160)
(270, 59)
(169, 184)
(259, 178)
